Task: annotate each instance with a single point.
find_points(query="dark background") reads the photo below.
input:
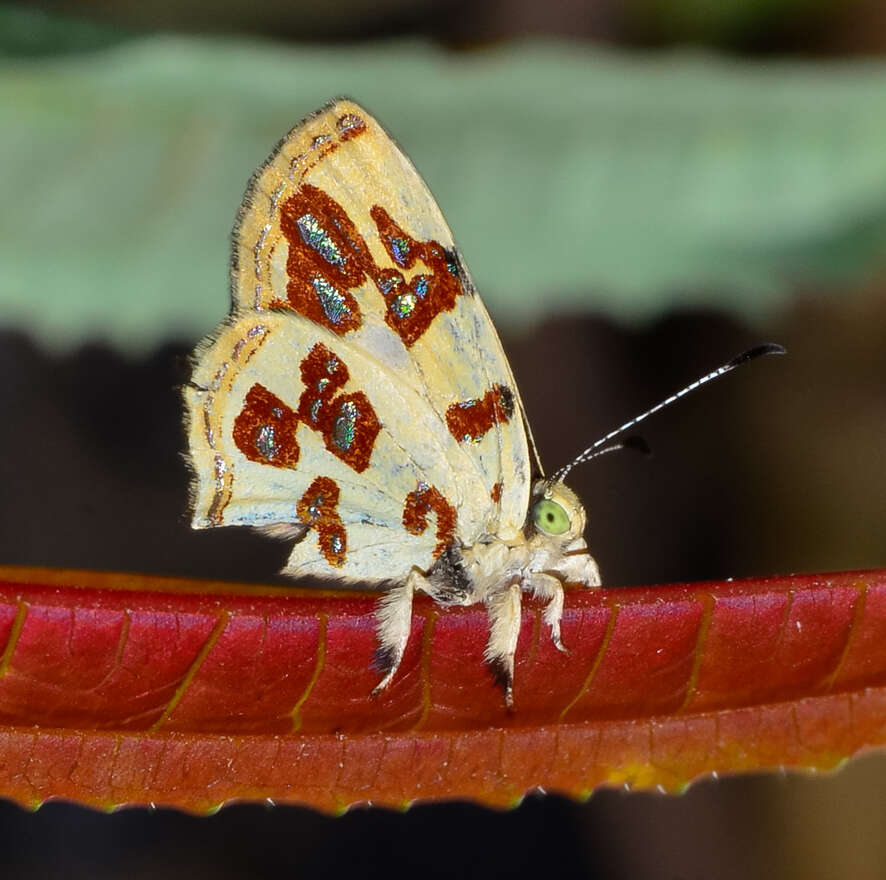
(778, 468)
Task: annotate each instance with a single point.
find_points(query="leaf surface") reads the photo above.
(122, 689)
(654, 182)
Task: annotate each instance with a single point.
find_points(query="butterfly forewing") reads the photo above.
(358, 356)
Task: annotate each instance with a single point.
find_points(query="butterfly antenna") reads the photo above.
(594, 449)
(634, 444)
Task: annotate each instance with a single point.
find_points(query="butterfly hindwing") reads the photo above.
(358, 354)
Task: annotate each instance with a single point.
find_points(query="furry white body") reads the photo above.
(496, 572)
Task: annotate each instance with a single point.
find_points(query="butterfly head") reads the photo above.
(556, 512)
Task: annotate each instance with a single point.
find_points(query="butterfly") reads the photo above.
(358, 401)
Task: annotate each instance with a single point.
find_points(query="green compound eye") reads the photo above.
(550, 517)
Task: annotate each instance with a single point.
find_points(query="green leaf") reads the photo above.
(574, 179)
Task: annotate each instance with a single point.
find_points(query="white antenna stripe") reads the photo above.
(744, 357)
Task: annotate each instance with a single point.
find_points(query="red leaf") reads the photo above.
(121, 689)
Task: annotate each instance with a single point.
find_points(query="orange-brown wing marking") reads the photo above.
(350, 126)
(348, 422)
(419, 503)
(323, 374)
(264, 431)
(413, 305)
(328, 258)
(470, 420)
(317, 509)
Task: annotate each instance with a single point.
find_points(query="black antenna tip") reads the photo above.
(757, 351)
(637, 444)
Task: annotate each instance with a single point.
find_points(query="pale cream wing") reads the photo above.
(290, 423)
(339, 228)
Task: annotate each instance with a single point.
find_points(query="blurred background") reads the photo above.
(641, 189)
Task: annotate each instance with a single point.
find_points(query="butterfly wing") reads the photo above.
(359, 355)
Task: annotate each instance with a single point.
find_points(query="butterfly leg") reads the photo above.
(393, 616)
(550, 590)
(503, 609)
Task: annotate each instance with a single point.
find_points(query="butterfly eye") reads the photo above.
(550, 517)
